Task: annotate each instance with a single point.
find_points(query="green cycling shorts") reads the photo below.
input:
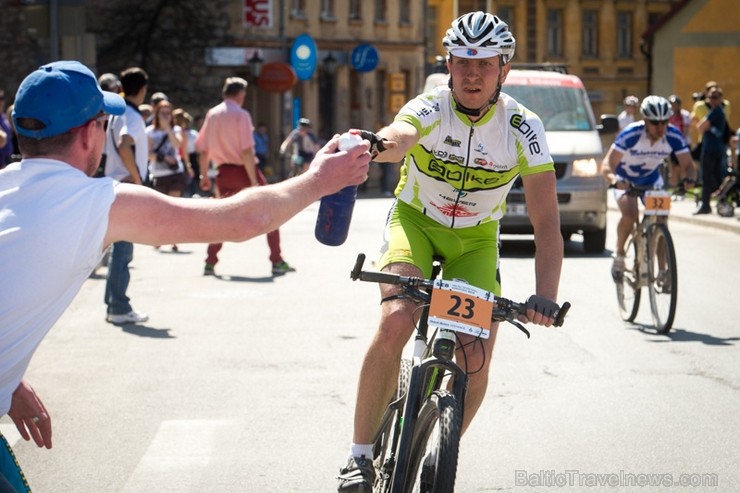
(471, 254)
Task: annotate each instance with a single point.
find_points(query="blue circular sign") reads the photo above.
(365, 58)
(304, 56)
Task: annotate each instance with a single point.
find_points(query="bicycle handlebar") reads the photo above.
(506, 309)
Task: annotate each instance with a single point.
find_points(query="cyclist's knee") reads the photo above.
(396, 324)
(629, 217)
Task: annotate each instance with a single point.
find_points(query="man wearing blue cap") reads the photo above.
(56, 222)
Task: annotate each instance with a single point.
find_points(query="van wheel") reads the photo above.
(594, 241)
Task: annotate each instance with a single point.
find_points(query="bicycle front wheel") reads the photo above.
(663, 280)
(628, 286)
(435, 445)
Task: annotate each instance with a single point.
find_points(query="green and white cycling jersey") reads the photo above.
(459, 172)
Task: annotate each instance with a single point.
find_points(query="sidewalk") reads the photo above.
(682, 211)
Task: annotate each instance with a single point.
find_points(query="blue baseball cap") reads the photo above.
(62, 95)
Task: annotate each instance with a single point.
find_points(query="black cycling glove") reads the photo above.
(376, 143)
(542, 305)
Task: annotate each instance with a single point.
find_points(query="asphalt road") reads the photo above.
(245, 383)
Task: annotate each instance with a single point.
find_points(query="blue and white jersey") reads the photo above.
(641, 160)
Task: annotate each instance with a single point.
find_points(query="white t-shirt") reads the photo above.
(53, 220)
(161, 141)
(130, 123)
(625, 119)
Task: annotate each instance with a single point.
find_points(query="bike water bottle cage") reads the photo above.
(376, 143)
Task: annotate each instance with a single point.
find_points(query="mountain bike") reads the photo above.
(417, 442)
(650, 262)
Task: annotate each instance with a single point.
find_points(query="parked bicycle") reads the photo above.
(650, 261)
(417, 443)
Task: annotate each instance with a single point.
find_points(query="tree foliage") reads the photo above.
(167, 38)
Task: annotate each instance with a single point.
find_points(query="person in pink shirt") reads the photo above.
(226, 140)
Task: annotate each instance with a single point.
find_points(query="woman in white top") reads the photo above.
(166, 167)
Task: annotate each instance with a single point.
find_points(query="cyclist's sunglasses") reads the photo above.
(658, 122)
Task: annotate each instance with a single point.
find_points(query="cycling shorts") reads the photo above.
(471, 254)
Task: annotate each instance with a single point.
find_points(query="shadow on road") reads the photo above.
(246, 279)
(683, 335)
(146, 331)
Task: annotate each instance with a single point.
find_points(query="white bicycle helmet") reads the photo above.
(656, 108)
(479, 35)
(631, 101)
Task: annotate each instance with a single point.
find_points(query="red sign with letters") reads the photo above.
(257, 13)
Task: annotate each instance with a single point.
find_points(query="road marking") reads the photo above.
(180, 449)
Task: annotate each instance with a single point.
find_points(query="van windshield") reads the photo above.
(560, 108)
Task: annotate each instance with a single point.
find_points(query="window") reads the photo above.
(506, 14)
(555, 32)
(624, 34)
(298, 8)
(653, 18)
(355, 10)
(405, 12)
(472, 6)
(380, 10)
(590, 48)
(327, 9)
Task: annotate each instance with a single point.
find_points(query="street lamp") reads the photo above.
(255, 64)
(330, 64)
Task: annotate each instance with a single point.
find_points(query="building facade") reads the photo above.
(365, 58)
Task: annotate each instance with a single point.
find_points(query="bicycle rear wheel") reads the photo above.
(628, 286)
(663, 285)
(384, 445)
(435, 445)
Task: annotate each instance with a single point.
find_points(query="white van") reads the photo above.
(573, 137)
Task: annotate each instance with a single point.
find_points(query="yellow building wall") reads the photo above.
(716, 16)
(718, 64)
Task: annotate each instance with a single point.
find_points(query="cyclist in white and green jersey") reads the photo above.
(463, 147)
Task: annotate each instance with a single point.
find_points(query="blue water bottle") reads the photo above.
(335, 211)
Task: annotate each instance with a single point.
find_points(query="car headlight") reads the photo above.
(585, 167)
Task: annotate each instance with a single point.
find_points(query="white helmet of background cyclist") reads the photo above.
(479, 35)
(656, 108)
(631, 101)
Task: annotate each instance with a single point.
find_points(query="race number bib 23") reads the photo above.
(460, 307)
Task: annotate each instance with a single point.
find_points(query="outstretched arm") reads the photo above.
(401, 137)
(141, 215)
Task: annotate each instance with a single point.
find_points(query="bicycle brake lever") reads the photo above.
(520, 327)
(560, 318)
(355, 274)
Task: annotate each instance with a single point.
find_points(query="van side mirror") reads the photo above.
(609, 124)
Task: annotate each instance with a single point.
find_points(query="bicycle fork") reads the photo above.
(421, 384)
